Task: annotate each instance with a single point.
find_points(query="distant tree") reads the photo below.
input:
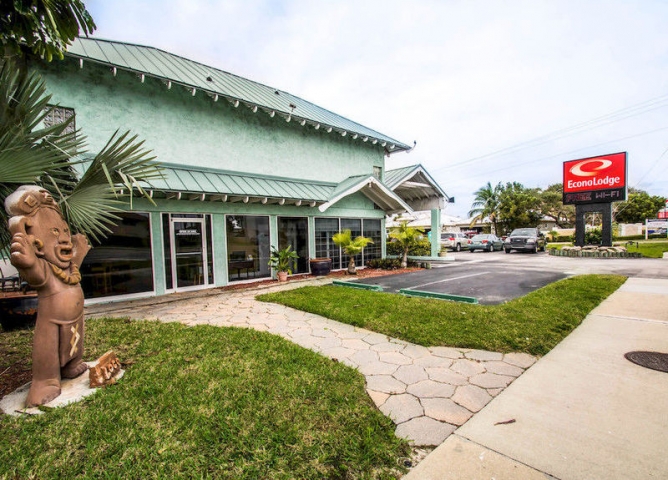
(639, 206)
(486, 205)
(44, 28)
(518, 207)
(406, 237)
(552, 206)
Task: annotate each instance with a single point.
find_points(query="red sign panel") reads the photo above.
(595, 179)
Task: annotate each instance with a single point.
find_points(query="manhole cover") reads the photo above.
(654, 360)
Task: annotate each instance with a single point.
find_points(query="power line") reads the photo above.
(514, 165)
(634, 110)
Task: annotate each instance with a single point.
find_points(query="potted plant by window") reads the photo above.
(351, 247)
(282, 261)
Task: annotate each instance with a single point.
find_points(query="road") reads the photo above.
(496, 277)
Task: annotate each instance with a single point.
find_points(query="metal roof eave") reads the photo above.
(342, 125)
(376, 192)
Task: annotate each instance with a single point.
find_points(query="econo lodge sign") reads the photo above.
(595, 179)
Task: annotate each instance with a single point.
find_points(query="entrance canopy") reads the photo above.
(416, 187)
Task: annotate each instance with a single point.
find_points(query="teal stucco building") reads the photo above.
(247, 167)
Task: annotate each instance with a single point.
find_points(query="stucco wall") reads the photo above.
(188, 130)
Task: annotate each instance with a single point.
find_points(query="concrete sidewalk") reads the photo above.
(581, 412)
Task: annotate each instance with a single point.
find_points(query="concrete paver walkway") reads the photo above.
(582, 412)
(427, 392)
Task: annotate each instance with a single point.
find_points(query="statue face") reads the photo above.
(51, 229)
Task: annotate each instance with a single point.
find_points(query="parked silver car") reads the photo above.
(486, 242)
(454, 240)
(525, 239)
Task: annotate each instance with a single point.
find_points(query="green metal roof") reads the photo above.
(173, 69)
(197, 183)
(416, 187)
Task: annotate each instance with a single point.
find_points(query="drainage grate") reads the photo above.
(654, 360)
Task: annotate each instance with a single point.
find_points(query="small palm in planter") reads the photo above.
(282, 261)
(351, 247)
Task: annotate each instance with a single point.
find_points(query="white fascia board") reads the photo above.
(368, 182)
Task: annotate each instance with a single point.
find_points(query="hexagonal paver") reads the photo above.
(445, 375)
(431, 389)
(401, 408)
(445, 410)
(522, 360)
(468, 368)
(378, 397)
(503, 368)
(471, 397)
(385, 383)
(395, 358)
(491, 380)
(410, 374)
(424, 431)
(483, 355)
(446, 352)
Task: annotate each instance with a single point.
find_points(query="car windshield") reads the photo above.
(523, 231)
(479, 238)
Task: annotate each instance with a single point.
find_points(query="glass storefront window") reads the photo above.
(122, 264)
(248, 247)
(325, 228)
(373, 231)
(355, 227)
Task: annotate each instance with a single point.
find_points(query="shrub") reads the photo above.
(593, 237)
(384, 263)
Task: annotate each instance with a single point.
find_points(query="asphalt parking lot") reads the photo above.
(496, 277)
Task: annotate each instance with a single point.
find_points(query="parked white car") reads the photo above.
(454, 240)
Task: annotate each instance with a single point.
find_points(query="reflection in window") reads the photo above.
(248, 246)
(122, 264)
(373, 231)
(325, 228)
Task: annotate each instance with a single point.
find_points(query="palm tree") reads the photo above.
(406, 237)
(44, 28)
(31, 153)
(351, 247)
(486, 205)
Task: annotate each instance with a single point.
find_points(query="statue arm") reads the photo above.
(80, 248)
(23, 256)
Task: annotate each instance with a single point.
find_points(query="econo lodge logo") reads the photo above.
(596, 173)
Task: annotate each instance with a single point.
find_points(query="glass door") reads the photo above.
(294, 231)
(189, 252)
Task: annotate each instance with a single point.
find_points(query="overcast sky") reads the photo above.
(492, 91)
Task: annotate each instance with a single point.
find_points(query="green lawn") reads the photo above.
(533, 324)
(206, 402)
(648, 248)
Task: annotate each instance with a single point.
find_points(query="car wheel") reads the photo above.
(507, 250)
(471, 250)
(491, 248)
(535, 249)
(458, 248)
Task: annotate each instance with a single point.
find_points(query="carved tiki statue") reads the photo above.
(48, 257)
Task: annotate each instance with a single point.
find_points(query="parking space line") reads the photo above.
(447, 280)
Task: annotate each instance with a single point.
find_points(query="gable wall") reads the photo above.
(188, 130)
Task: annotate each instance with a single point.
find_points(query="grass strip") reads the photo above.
(533, 324)
(207, 402)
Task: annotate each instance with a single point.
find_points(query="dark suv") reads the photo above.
(525, 239)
